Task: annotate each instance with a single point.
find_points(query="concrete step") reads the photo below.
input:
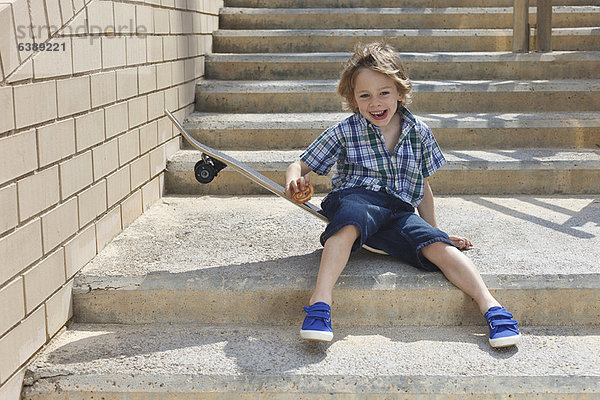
(429, 96)
(509, 171)
(406, 40)
(182, 362)
(254, 260)
(439, 66)
(391, 3)
(452, 131)
(393, 18)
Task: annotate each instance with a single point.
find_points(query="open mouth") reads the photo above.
(378, 115)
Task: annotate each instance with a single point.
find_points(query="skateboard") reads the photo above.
(213, 161)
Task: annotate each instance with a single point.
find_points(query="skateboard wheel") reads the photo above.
(205, 173)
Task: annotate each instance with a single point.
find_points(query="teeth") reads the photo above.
(378, 114)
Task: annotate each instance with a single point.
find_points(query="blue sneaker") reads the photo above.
(317, 323)
(503, 328)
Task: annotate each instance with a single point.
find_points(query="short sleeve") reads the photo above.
(432, 157)
(323, 153)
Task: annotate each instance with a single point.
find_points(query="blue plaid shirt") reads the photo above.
(363, 160)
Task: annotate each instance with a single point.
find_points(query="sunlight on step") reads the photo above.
(578, 213)
(369, 339)
(385, 281)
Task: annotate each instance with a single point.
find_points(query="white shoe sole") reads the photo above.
(317, 335)
(506, 341)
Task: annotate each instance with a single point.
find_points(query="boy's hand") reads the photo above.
(461, 243)
(297, 185)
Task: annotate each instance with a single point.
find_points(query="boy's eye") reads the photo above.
(385, 93)
(364, 96)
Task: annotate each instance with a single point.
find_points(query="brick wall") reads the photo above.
(83, 142)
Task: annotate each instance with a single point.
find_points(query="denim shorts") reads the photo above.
(385, 223)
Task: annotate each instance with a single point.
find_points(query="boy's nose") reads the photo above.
(376, 101)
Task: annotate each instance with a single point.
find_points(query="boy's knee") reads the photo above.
(433, 250)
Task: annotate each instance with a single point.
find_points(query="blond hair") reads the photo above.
(378, 57)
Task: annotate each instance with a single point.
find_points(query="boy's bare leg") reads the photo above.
(335, 257)
(461, 271)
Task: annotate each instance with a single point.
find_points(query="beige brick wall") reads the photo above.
(83, 143)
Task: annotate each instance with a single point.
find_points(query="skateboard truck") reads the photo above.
(206, 169)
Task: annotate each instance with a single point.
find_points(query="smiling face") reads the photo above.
(376, 96)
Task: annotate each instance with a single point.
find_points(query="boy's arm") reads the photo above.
(296, 178)
(426, 207)
(427, 212)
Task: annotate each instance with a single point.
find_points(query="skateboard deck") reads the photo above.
(243, 169)
(213, 161)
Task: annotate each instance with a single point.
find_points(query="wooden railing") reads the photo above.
(521, 26)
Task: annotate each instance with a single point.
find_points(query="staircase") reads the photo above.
(509, 123)
(201, 296)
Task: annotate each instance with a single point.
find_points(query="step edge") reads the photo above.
(412, 57)
(213, 86)
(279, 160)
(179, 386)
(213, 281)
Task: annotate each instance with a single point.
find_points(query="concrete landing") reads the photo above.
(253, 259)
(512, 235)
(219, 362)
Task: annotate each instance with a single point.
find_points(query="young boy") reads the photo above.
(383, 156)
